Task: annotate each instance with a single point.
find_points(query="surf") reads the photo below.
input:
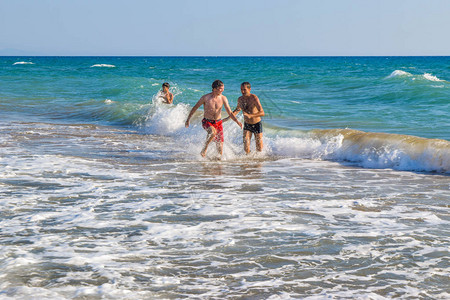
(420, 77)
(23, 63)
(103, 66)
(369, 149)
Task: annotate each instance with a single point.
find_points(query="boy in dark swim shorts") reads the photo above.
(253, 111)
(253, 128)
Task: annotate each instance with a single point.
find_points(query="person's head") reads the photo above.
(165, 86)
(245, 88)
(217, 85)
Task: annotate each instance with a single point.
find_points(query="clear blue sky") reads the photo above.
(229, 27)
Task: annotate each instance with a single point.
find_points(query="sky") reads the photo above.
(225, 28)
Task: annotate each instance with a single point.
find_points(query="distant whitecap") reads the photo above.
(398, 73)
(23, 63)
(103, 66)
(426, 76)
(430, 77)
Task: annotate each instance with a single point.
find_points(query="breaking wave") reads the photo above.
(103, 66)
(404, 74)
(23, 63)
(369, 150)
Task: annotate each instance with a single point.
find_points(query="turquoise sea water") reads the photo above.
(403, 95)
(104, 195)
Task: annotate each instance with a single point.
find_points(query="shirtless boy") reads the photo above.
(212, 123)
(253, 111)
(167, 96)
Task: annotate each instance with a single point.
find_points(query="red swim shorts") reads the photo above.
(217, 124)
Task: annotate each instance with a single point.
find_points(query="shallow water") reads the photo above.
(111, 214)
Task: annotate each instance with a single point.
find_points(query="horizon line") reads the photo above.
(90, 55)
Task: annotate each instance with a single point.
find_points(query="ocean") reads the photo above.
(104, 194)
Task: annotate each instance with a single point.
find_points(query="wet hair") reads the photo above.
(216, 84)
(246, 84)
(166, 84)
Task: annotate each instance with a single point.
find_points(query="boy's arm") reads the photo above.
(170, 98)
(235, 112)
(230, 113)
(196, 106)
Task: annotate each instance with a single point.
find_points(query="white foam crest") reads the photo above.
(306, 147)
(400, 157)
(399, 73)
(103, 66)
(165, 119)
(23, 63)
(293, 147)
(425, 76)
(430, 77)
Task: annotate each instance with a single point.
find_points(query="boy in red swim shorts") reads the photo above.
(212, 123)
(217, 124)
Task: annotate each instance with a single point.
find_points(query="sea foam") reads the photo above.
(103, 66)
(425, 76)
(430, 77)
(399, 73)
(368, 150)
(114, 227)
(383, 150)
(23, 63)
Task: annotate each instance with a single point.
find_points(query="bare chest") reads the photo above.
(213, 104)
(248, 105)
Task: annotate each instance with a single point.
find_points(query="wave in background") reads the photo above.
(23, 63)
(103, 66)
(404, 74)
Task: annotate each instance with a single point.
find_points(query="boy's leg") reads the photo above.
(219, 146)
(211, 134)
(247, 136)
(259, 141)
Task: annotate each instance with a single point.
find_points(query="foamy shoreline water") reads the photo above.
(114, 213)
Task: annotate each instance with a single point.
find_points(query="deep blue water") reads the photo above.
(403, 95)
